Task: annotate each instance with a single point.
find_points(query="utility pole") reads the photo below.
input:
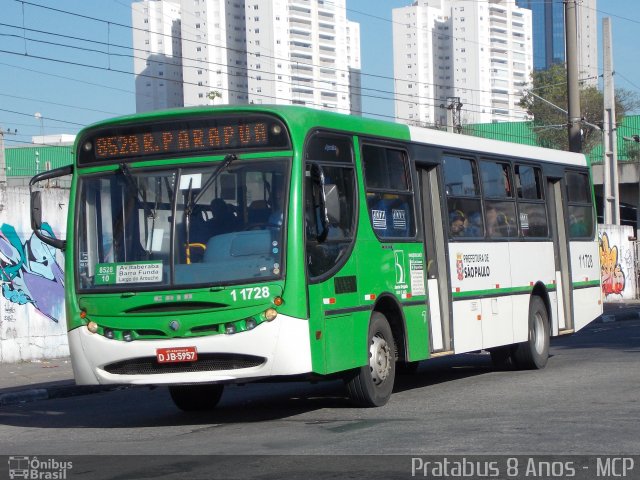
(454, 123)
(573, 87)
(3, 162)
(610, 147)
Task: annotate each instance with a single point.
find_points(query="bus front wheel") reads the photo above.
(371, 385)
(196, 398)
(533, 353)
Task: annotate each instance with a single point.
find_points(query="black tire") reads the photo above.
(407, 368)
(502, 357)
(372, 384)
(534, 353)
(196, 398)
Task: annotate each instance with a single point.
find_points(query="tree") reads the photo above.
(550, 124)
(213, 94)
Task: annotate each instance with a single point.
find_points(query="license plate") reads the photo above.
(176, 354)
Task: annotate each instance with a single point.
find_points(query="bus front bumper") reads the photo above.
(280, 347)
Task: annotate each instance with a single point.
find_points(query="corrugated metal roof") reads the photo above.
(27, 161)
(630, 126)
(522, 132)
(515, 132)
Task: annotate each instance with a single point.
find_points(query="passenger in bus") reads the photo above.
(493, 229)
(456, 223)
(499, 224)
(577, 226)
(473, 225)
(223, 220)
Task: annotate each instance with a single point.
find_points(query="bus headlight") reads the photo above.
(92, 326)
(270, 314)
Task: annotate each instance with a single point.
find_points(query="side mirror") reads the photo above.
(36, 211)
(320, 201)
(36, 206)
(332, 202)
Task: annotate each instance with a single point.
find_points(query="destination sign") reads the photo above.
(178, 138)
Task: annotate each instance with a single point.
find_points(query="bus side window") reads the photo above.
(330, 184)
(463, 197)
(499, 204)
(389, 193)
(581, 224)
(531, 205)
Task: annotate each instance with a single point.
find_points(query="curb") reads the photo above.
(65, 391)
(619, 312)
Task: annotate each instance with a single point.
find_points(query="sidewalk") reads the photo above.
(41, 380)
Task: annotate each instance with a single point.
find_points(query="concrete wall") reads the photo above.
(32, 316)
(617, 261)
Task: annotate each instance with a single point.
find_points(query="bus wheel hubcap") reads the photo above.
(538, 334)
(379, 359)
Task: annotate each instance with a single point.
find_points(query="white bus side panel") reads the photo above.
(585, 273)
(586, 309)
(532, 262)
(480, 270)
(467, 329)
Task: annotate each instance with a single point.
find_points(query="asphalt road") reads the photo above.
(586, 401)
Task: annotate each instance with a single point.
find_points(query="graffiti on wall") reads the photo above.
(613, 276)
(30, 273)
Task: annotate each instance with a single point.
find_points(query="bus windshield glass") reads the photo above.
(212, 223)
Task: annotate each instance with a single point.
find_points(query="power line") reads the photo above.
(395, 98)
(244, 51)
(383, 116)
(58, 104)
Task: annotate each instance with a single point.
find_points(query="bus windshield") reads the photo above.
(212, 223)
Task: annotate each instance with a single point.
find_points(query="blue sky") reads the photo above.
(79, 87)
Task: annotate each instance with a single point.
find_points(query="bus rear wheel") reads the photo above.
(534, 353)
(196, 398)
(371, 385)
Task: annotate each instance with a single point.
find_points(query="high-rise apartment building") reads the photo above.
(302, 52)
(157, 57)
(549, 38)
(479, 53)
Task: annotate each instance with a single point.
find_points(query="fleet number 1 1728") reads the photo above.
(250, 293)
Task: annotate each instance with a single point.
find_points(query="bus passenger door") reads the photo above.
(438, 296)
(557, 215)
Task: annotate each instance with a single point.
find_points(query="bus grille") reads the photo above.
(207, 362)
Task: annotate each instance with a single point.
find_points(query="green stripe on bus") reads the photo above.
(498, 291)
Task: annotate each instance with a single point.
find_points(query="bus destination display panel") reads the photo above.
(179, 138)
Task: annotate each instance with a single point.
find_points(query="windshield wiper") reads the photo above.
(131, 183)
(225, 164)
(190, 202)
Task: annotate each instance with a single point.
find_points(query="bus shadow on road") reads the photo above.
(140, 407)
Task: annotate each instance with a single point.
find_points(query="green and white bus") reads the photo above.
(218, 245)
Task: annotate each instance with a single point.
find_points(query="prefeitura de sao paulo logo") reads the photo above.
(459, 266)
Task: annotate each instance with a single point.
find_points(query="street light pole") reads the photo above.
(573, 90)
(38, 116)
(3, 162)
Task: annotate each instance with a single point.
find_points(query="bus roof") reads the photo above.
(300, 119)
